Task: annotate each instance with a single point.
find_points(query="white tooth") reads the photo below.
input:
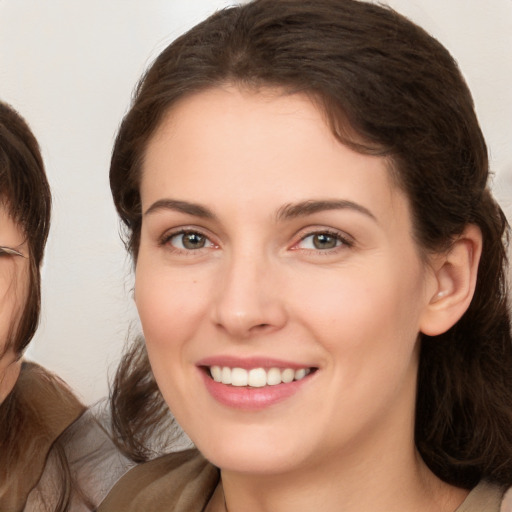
(257, 378)
(216, 372)
(274, 376)
(300, 374)
(226, 375)
(239, 377)
(287, 375)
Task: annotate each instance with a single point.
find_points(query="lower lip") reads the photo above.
(248, 398)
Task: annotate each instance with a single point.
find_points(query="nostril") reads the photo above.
(260, 327)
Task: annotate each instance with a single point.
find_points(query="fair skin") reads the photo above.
(13, 290)
(265, 244)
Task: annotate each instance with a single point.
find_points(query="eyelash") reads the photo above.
(341, 241)
(9, 251)
(166, 240)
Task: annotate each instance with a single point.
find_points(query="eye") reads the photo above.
(189, 241)
(322, 241)
(10, 252)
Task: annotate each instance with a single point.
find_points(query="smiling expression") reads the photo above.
(279, 287)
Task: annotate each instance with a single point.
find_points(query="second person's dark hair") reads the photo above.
(25, 193)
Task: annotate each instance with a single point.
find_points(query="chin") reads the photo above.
(261, 463)
(255, 454)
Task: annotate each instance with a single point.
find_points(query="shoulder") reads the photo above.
(177, 481)
(33, 416)
(488, 497)
(45, 394)
(93, 460)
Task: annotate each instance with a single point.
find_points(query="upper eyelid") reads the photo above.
(345, 243)
(300, 234)
(170, 233)
(332, 232)
(318, 230)
(9, 250)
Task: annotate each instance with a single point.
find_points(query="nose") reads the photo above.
(250, 299)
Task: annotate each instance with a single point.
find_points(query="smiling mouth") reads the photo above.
(256, 377)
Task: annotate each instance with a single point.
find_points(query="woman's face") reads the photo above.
(13, 292)
(275, 258)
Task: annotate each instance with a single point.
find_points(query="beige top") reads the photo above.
(185, 482)
(178, 482)
(34, 415)
(44, 426)
(94, 461)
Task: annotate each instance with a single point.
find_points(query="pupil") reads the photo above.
(324, 241)
(193, 241)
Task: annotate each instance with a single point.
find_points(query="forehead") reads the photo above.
(236, 146)
(11, 233)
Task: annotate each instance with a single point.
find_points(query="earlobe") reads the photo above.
(454, 281)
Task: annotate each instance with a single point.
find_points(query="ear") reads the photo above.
(453, 282)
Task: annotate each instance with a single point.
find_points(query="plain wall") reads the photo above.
(69, 67)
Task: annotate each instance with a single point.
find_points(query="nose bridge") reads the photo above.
(248, 299)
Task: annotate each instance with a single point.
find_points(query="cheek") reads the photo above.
(358, 308)
(169, 305)
(13, 296)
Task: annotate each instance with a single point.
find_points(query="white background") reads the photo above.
(69, 67)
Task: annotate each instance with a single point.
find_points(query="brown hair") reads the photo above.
(25, 193)
(25, 430)
(387, 88)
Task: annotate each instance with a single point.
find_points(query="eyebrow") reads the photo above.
(180, 206)
(304, 208)
(288, 211)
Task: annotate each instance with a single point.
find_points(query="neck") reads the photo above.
(9, 371)
(393, 481)
(378, 468)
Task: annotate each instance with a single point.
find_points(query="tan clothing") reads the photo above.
(185, 482)
(178, 482)
(485, 497)
(52, 428)
(94, 462)
(33, 416)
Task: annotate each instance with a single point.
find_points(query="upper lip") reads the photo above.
(250, 362)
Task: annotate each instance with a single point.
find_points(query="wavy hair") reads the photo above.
(387, 88)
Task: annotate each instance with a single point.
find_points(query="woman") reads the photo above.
(35, 406)
(48, 461)
(319, 270)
